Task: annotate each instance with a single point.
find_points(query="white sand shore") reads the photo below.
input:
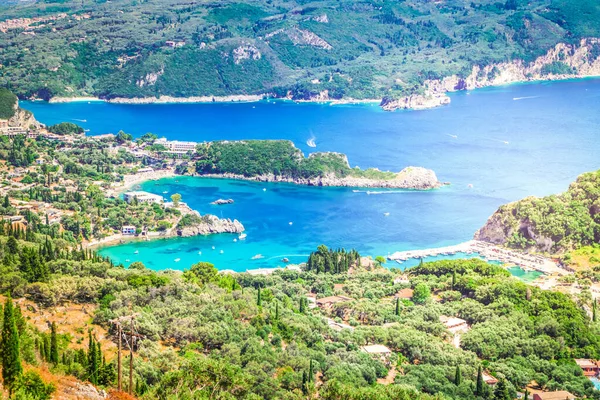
(74, 99)
(135, 179)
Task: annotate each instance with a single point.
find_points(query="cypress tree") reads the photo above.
(53, 345)
(594, 311)
(258, 298)
(526, 395)
(453, 279)
(398, 306)
(457, 376)
(304, 383)
(277, 311)
(501, 391)
(479, 387)
(11, 356)
(310, 371)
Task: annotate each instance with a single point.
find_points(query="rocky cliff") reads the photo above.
(563, 61)
(23, 118)
(551, 224)
(417, 178)
(210, 224)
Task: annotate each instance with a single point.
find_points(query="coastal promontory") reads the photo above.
(281, 161)
(554, 224)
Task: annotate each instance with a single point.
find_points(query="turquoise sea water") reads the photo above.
(511, 142)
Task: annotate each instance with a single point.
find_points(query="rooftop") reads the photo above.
(559, 395)
(585, 363)
(376, 349)
(334, 299)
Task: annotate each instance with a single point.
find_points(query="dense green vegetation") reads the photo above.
(280, 158)
(66, 128)
(350, 48)
(555, 223)
(332, 261)
(251, 336)
(7, 103)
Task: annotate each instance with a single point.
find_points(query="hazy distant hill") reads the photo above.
(351, 48)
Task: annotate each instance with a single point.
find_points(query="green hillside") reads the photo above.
(7, 103)
(552, 224)
(351, 48)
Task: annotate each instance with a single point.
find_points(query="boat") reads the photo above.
(242, 236)
(291, 223)
(221, 252)
(264, 189)
(199, 253)
(136, 252)
(285, 260)
(235, 240)
(165, 192)
(127, 260)
(257, 257)
(311, 142)
(213, 247)
(177, 259)
(387, 214)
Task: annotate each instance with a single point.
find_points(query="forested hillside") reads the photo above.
(553, 224)
(349, 48)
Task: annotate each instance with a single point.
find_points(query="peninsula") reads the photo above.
(281, 161)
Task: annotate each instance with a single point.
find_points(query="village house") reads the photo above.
(329, 302)
(174, 44)
(379, 351)
(3, 123)
(142, 197)
(589, 367)
(145, 170)
(454, 324)
(128, 230)
(488, 379)
(176, 146)
(558, 395)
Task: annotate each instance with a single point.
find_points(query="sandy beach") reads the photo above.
(135, 179)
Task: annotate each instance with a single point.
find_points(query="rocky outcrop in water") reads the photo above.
(222, 201)
(415, 102)
(210, 224)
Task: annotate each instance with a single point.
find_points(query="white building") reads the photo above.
(128, 230)
(142, 197)
(176, 146)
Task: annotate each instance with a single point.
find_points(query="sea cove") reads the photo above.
(493, 145)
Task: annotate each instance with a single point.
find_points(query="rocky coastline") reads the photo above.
(416, 178)
(211, 224)
(579, 57)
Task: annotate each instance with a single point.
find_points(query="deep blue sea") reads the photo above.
(508, 143)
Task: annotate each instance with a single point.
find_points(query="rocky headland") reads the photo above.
(563, 61)
(417, 178)
(209, 224)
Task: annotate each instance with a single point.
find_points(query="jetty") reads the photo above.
(488, 252)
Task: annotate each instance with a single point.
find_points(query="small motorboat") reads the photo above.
(242, 236)
(136, 252)
(258, 257)
(235, 240)
(177, 259)
(264, 189)
(285, 260)
(221, 252)
(213, 247)
(291, 223)
(387, 214)
(199, 253)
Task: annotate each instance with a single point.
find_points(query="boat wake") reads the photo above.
(287, 256)
(79, 120)
(452, 136)
(525, 98)
(370, 192)
(311, 142)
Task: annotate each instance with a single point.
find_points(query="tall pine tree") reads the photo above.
(11, 355)
(53, 345)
